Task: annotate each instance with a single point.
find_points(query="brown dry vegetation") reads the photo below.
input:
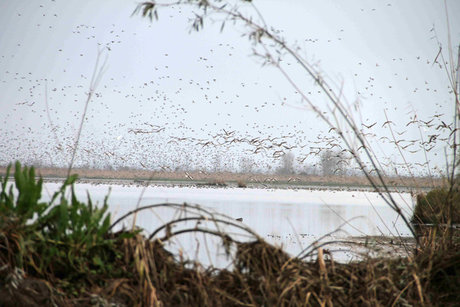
(263, 276)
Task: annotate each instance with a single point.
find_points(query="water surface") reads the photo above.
(292, 219)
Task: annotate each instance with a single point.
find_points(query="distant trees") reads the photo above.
(332, 163)
(246, 165)
(287, 164)
(217, 163)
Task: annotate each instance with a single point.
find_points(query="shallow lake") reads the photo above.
(289, 218)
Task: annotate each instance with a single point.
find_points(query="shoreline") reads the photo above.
(175, 183)
(142, 177)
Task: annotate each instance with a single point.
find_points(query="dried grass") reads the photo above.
(262, 275)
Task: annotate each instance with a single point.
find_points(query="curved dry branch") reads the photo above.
(201, 218)
(258, 33)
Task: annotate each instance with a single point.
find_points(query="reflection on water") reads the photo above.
(290, 218)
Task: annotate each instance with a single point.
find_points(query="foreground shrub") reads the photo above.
(433, 207)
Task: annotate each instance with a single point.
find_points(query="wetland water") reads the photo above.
(289, 218)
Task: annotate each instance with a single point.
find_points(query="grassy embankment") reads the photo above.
(234, 179)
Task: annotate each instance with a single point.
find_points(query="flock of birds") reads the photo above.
(183, 123)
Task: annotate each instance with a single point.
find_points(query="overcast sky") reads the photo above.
(186, 88)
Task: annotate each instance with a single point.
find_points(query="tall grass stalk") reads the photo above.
(98, 72)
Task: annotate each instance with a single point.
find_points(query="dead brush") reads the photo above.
(262, 274)
(437, 265)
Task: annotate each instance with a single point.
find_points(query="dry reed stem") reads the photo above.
(419, 288)
(322, 264)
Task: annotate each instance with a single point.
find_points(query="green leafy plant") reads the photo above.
(64, 236)
(26, 205)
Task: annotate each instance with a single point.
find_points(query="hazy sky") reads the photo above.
(186, 88)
